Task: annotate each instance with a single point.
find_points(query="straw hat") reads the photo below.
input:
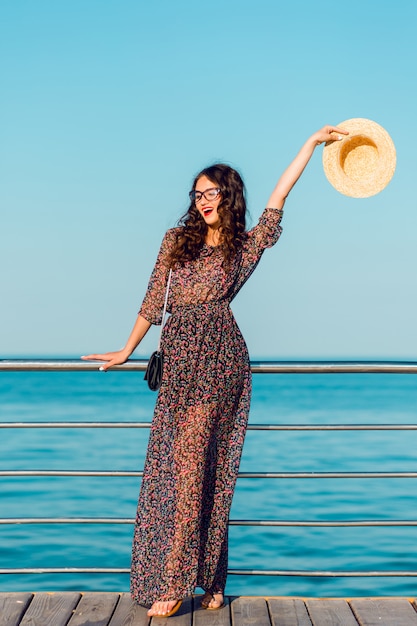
(363, 163)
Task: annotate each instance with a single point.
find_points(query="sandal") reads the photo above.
(171, 612)
(208, 597)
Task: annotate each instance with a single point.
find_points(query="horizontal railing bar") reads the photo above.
(318, 427)
(327, 475)
(233, 572)
(278, 427)
(258, 367)
(321, 573)
(72, 473)
(75, 424)
(124, 474)
(328, 427)
(324, 523)
(259, 523)
(333, 367)
(65, 570)
(66, 520)
(67, 365)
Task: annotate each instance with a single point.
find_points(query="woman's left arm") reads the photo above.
(296, 168)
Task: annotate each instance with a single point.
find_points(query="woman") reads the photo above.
(201, 413)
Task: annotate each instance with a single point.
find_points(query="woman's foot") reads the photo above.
(212, 601)
(164, 609)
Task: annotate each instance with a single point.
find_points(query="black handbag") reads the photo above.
(153, 374)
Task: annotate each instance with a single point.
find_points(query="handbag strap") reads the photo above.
(165, 309)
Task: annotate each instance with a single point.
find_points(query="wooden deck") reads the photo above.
(117, 609)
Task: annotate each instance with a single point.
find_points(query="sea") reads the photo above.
(287, 399)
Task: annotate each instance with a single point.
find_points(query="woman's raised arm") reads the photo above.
(296, 168)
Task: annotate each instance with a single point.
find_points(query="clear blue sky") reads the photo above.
(109, 108)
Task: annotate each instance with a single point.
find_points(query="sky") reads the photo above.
(110, 107)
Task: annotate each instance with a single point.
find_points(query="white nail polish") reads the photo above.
(101, 369)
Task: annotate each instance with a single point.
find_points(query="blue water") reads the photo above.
(286, 399)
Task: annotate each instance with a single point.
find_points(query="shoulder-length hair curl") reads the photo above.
(232, 215)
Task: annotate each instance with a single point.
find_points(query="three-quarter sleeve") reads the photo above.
(267, 231)
(153, 302)
(264, 235)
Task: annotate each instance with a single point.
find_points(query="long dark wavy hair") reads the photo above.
(232, 215)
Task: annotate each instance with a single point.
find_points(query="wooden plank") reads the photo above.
(203, 617)
(94, 609)
(383, 612)
(12, 607)
(118, 609)
(288, 612)
(128, 613)
(50, 609)
(330, 613)
(247, 611)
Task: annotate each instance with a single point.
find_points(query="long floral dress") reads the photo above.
(199, 424)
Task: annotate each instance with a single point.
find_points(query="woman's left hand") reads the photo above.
(329, 133)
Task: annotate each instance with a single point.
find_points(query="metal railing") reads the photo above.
(258, 367)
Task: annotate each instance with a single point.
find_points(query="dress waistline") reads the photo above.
(202, 306)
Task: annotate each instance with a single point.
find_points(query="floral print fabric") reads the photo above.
(199, 424)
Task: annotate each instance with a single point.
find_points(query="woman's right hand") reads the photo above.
(111, 358)
(139, 330)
